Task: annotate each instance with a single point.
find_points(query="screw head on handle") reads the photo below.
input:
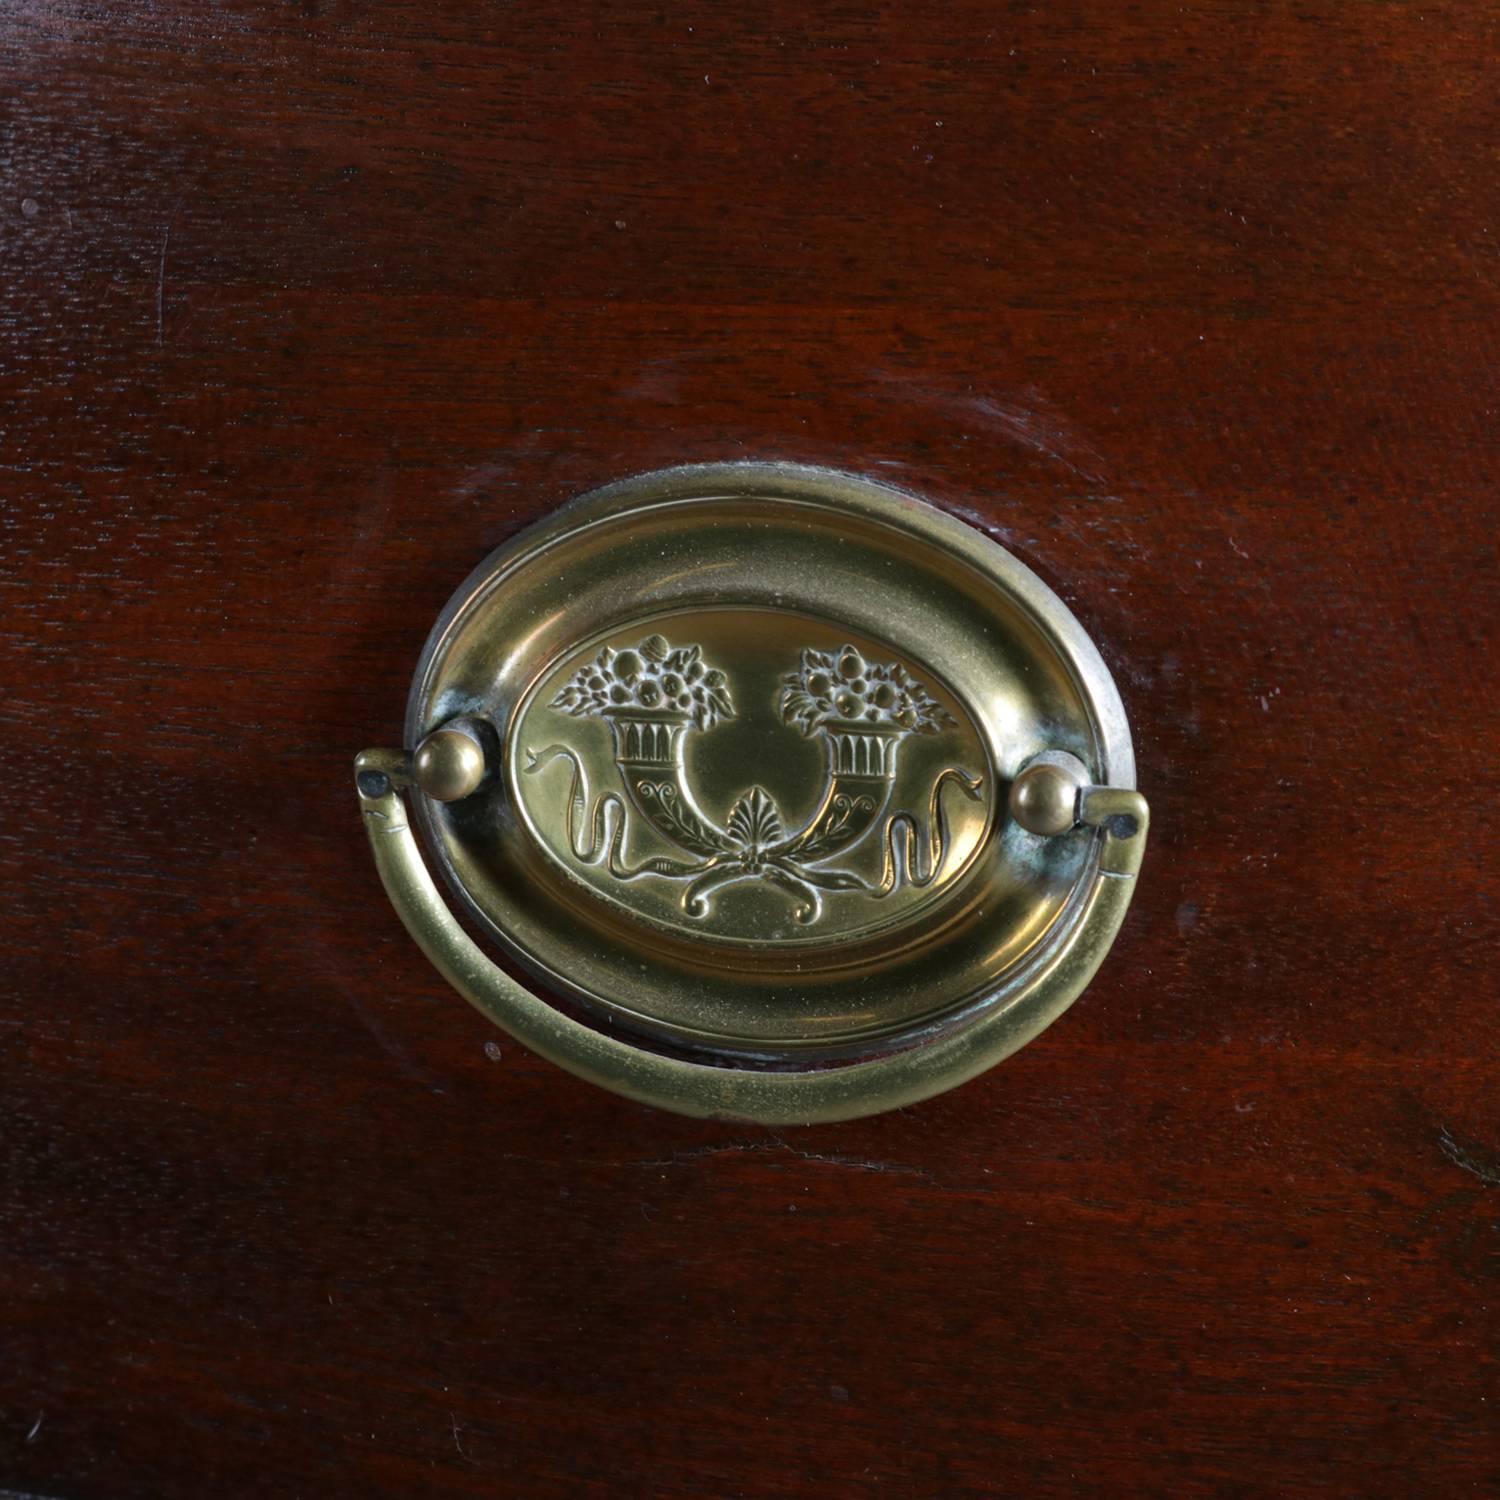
(1044, 797)
(449, 764)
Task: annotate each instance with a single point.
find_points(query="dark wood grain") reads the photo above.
(308, 307)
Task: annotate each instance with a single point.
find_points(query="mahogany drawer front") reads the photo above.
(307, 309)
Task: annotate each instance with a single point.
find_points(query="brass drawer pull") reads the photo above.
(805, 799)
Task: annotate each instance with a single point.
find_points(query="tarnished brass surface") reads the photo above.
(822, 786)
(728, 757)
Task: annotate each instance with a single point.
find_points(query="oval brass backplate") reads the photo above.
(801, 799)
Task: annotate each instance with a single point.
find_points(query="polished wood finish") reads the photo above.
(308, 307)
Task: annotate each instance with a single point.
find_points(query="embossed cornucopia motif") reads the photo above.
(655, 695)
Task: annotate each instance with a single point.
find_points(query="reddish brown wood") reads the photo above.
(308, 308)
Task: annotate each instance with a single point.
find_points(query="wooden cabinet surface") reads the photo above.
(307, 307)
